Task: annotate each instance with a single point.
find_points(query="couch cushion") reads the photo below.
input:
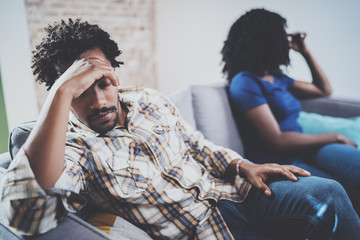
(313, 123)
(18, 136)
(117, 227)
(213, 116)
(182, 99)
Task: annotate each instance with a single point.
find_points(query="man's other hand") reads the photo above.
(257, 174)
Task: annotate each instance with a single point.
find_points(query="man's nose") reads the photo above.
(98, 99)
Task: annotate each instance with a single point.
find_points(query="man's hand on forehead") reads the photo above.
(106, 64)
(84, 72)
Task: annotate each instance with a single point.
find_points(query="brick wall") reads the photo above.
(130, 23)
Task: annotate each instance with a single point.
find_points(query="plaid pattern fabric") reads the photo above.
(157, 173)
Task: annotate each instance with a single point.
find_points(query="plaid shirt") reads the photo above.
(158, 173)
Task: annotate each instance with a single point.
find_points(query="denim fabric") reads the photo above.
(336, 161)
(311, 208)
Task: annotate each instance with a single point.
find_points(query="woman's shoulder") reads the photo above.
(246, 91)
(244, 75)
(244, 80)
(285, 80)
(245, 83)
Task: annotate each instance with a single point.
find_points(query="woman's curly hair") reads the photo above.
(257, 43)
(64, 43)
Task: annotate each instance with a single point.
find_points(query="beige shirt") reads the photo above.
(157, 172)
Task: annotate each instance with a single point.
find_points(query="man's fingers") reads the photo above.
(112, 77)
(259, 184)
(288, 174)
(298, 171)
(258, 177)
(108, 70)
(278, 169)
(289, 171)
(264, 188)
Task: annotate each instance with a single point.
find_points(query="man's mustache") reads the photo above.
(100, 110)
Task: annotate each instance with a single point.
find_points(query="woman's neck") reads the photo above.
(268, 78)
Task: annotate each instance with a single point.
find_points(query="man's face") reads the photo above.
(98, 107)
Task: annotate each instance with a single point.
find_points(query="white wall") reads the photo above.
(190, 35)
(189, 38)
(17, 80)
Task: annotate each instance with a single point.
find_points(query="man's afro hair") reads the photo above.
(64, 43)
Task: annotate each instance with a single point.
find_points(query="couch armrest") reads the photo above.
(5, 160)
(71, 227)
(332, 106)
(74, 228)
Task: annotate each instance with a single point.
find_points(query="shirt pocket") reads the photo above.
(168, 134)
(130, 176)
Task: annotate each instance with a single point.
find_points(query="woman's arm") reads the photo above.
(265, 123)
(320, 85)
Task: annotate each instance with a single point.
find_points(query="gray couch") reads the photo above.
(206, 107)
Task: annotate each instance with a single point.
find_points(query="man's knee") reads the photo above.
(325, 190)
(325, 200)
(323, 196)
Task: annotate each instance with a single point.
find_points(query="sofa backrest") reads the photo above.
(330, 106)
(182, 99)
(207, 108)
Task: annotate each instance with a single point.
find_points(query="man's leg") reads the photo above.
(238, 223)
(314, 208)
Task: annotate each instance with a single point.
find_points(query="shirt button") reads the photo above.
(166, 168)
(68, 194)
(202, 195)
(128, 161)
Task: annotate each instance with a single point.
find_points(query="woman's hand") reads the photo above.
(257, 174)
(345, 140)
(297, 42)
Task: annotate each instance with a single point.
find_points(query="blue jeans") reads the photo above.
(339, 162)
(312, 207)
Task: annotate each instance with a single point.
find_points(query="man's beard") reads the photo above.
(100, 129)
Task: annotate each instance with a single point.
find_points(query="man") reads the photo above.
(133, 155)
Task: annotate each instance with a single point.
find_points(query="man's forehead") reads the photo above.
(91, 53)
(94, 53)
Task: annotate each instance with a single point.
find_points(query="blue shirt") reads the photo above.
(248, 91)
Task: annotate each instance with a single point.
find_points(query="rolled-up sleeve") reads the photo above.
(29, 209)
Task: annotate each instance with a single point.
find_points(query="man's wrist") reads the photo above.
(239, 164)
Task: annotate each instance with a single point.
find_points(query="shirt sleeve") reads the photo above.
(288, 81)
(245, 92)
(215, 158)
(31, 210)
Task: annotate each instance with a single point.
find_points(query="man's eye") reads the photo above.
(104, 83)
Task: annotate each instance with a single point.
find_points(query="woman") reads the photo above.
(266, 106)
